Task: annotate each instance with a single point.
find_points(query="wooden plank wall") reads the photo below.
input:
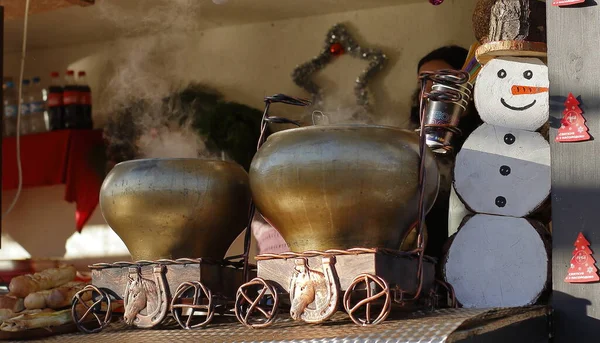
(574, 66)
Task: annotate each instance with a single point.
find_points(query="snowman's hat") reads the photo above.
(510, 28)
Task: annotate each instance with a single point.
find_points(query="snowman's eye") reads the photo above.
(501, 73)
(528, 74)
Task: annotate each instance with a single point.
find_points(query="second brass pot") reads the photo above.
(341, 186)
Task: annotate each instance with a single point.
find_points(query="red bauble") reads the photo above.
(336, 49)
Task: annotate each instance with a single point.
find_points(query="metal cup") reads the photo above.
(442, 117)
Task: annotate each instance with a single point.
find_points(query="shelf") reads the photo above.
(527, 325)
(14, 9)
(109, 20)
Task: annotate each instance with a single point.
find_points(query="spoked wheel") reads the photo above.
(91, 318)
(376, 291)
(256, 303)
(201, 309)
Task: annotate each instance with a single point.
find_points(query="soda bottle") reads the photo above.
(85, 101)
(71, 102)
(54, 103)
(10, 110)
(37, 107)
(25, 119)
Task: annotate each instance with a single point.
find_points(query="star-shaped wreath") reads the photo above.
(337, 43)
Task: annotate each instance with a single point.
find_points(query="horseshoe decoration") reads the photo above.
(145, 300)
(313, 294)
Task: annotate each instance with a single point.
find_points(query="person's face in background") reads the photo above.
(430, 66)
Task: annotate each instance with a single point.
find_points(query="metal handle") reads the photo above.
(446, 102)
(277, 98)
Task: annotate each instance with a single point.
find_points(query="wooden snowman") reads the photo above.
(498, 257)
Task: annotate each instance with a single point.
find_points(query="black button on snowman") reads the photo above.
(509, 138)
(503, 167)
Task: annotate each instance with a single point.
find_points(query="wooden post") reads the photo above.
(574, 66)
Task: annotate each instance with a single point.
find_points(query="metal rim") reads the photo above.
(104, 297)
(177, 306)
(367, 279)
(243, 314)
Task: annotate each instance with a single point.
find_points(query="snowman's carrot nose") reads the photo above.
(520, 90)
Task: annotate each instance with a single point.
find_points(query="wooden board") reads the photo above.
(14, 9)
(503, 171)
(574, 66)
(488, 51)
(396, 270)
(496, 261)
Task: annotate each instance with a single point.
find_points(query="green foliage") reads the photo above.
(227, 126)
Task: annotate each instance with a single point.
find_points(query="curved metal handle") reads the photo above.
(286, 99)
(282, 120)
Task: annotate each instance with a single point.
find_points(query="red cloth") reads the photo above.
(43, 159)
(59, 157)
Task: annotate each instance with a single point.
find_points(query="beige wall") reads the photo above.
(245, 63)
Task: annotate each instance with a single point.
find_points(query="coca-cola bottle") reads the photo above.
(54, 103)
(85, 101)
(71, 102)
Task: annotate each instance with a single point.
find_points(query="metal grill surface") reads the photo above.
(432, 327)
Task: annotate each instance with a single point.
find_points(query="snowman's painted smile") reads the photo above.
(517, 108)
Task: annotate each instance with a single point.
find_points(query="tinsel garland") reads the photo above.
(337, 42)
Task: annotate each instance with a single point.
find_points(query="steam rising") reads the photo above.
(164, 142)
(148, 69)
(350, 115)
(340, 114)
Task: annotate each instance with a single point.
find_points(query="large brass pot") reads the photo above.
(174, 208)
(341, 186)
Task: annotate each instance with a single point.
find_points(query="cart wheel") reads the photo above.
(247, 309)
(201, 302)
(372, 283)
(100, 299)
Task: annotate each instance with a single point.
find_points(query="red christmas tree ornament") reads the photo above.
(572, 126)
(582, 268)
(336, 49)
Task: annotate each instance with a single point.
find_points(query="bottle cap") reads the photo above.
(81, 73)
(10, 84)
(70, 72)
(54, 74)
(36, 79)
(26, 82)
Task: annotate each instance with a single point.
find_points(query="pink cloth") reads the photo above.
(268, 239)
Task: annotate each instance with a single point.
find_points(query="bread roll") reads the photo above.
(6, 313)
(62, 296)
(36, 300)
(22, 286)
(42, 319)
(11, 303)
(54, 298)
